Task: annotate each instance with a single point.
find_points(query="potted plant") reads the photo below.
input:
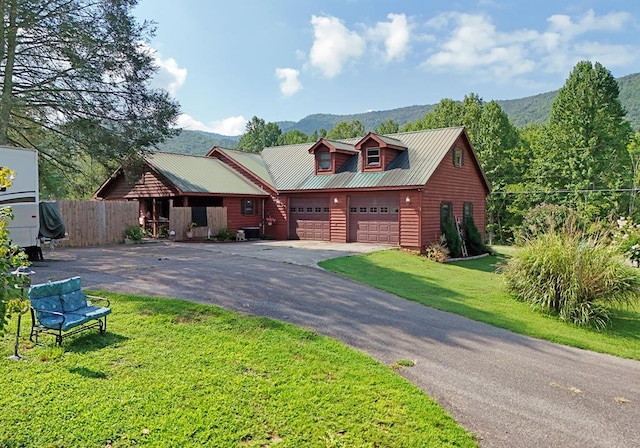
(270, 220)
(190, 228)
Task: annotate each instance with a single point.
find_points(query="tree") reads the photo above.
(387, 127)
(317, 135)
(445, 114)
(11, 257)
(259, 135)
(589, 136)
(634, 154)
(75, 80)
(292, 137)
(343, 129)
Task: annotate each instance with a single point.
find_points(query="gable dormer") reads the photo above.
(330, 155)
(378, 151)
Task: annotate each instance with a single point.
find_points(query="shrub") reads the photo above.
(134, 233)
(454, 242)
(225, 235)
(571, 275)
(473, 239)
(542, 219)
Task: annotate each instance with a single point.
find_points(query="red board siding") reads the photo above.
(338, 218)
(456, 185)
(276, 207)
(149, 185)
(236, 220)
(410, 219)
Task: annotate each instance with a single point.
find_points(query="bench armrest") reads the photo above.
(100, 299)
(53, 313)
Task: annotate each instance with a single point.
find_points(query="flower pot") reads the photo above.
(189, 235)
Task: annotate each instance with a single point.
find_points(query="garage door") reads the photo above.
(374, 219)
(309, 219)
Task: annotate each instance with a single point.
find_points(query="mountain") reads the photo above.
(522, 111)
(196, 142)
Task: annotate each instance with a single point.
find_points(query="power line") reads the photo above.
(598, 190)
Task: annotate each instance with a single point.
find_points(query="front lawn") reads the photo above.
(172, 373)
(473, 289)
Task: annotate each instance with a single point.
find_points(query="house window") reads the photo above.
(467, 211)
(458, 156)
(325, 209)
(353, 210)
(394, 210)
(318, 209)
(373, 157)
(293, 209)
(384, 209)
(363, 209)
(373, 209)
(324, 161)
(248, 207)
(446, 213)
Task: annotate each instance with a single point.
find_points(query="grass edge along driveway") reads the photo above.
(472, 289)
(174, 373)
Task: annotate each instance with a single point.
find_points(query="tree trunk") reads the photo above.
(6, 102)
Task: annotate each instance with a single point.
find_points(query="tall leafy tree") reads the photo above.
(259, 135)
(76, 79)
(292, 137)
(634, 154)
(589, 136)
(345, 129)
(387, 127)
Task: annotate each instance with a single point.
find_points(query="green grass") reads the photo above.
(472, 289)
(171, 373)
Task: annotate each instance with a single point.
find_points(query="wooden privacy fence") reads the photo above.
(95, 223)
(180, 217)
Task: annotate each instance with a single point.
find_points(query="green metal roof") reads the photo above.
(198, 174)
(293, 168)
(251, 161)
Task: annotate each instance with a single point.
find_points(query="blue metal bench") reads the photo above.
(61, 309)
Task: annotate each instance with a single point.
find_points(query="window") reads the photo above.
(467, 211)
(300, 209)
(353, 209)
(394, 210)
(324, 161)
(363, 209)
(318, 209)
(325, 209)
(309, 209)
(199, 216)
(373, 157)
(373, 209)
(458, 156)
(293, 209)
(384, 209)
(446, 213)
(248, 207)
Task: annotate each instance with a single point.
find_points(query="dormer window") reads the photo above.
(373, 156)
(324, 161)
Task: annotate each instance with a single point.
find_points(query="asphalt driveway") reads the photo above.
(509, 390)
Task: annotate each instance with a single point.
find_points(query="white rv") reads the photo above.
(22, 196)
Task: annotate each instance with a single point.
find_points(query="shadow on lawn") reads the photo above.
(90, 342)
(490, 263)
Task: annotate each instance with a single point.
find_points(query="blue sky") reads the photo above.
(227, 61)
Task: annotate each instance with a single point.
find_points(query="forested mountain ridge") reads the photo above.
(521, 111)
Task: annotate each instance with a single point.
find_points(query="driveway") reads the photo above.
(509, 390)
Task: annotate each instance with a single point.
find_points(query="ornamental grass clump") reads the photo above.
(576, 277)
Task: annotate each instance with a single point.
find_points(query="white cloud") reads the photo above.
(229, 126)
(334, 45)
(290, 83)
(395, 35)
(170, 75)
(475, 45)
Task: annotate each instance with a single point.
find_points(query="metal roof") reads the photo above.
(251, 161)
(198, 174)
(293, 168)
